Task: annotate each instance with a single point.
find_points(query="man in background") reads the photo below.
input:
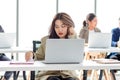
(115, 42)
(3, 57)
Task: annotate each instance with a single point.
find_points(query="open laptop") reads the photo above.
(7, 40)
(99, 40)
(64, 51)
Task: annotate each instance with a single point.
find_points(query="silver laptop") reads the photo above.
(7, 40)
(64, 51)
(99, 40)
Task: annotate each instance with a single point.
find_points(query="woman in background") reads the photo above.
(89, 25)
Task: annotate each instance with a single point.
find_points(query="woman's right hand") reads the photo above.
(28, 56)
(71, 31)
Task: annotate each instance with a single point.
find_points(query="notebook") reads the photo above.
(64, 51)
(7, 40)
(99, 40)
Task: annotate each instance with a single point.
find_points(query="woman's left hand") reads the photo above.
(71, 31)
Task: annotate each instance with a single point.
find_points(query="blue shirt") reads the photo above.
(115, 36)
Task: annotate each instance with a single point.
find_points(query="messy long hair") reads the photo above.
(66, 20)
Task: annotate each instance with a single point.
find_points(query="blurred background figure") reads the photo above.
(89, 25)
(3, 57)
(115, 42)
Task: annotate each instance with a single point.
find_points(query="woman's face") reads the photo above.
(60, 29)
(93, 23)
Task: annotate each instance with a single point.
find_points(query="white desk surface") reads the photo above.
(86, 65)
(24, 49)
(111, 49)
(15, 50)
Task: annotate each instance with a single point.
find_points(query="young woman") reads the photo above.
(62, 27)
(90, 26)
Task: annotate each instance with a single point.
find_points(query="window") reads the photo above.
(77, 9)
(108, 14)
(35, 17)
(8, 15)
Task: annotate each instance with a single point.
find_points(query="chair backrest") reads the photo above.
(36, 44)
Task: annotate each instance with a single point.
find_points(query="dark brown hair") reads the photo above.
(66, 20)
(90, 16)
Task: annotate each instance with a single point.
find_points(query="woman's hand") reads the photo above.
(29, 56)
(71, 31)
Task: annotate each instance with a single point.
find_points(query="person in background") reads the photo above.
(115, 42)
(3, 57)
(62, 27)
(89, 25)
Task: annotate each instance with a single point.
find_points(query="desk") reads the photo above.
(103, 50)
(86, 65)
(15, 50)
(111, 49)
(25, 49)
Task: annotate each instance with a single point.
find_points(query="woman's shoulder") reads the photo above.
(43, 39)
(115, 29)
(84, 28)
(74, 36)
(97, 29)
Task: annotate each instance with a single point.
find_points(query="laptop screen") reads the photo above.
(7, 40)
(99, 40)
(64, 50)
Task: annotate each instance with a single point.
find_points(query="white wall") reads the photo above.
(35, 17)
(108, 13)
